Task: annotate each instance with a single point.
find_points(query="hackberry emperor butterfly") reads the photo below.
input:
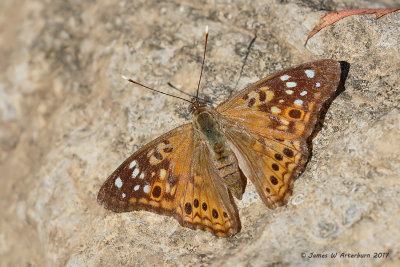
(192, 172)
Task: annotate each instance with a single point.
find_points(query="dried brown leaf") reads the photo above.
(334, 16)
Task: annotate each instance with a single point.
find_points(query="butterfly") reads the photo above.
(194, 171)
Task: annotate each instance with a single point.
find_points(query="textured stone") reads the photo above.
(67, 120)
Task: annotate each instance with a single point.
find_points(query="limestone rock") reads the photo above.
(67, 120)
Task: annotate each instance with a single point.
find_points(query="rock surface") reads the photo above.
(67, 120)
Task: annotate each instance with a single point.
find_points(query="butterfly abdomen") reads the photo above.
(225, 162)
(228, 169)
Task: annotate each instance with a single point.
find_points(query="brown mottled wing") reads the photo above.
(171, 176)
(268, 124)
(206, 202)
(150, 178)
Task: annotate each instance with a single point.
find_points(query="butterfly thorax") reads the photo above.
(224, 160)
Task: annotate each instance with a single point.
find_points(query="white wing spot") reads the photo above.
(118, 182)
(289, 92)
(285, 122)
(141, 175)
(298, 102)
(123, 195)
(163, 173)
(275, 110)
(291, 84)
(136, 188)
(303, 93)
(285, 77)
(317, 84)
(310, 73)
(133, 164)
(135, 172)
(146, 188)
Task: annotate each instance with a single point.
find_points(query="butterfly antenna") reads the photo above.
(202, 64)
(179, 90)
(132, 81)
(183, 92)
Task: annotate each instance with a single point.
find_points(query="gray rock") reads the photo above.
(67, 120)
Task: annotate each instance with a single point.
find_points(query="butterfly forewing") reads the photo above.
(150, 178)
(269, 122)
(285, 104)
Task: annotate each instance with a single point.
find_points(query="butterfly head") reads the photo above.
(197, 106)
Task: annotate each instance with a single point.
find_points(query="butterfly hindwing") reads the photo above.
(206, 203)
(271, 165)
(269, 122)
